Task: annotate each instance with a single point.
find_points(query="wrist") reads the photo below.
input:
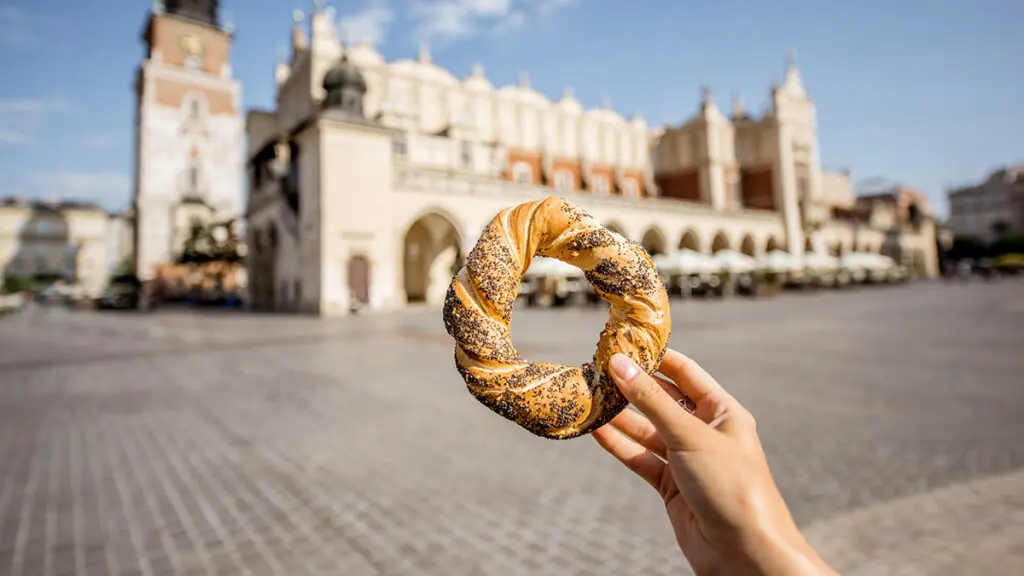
(785, 552)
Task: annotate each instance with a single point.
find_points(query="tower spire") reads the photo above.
(739, 110)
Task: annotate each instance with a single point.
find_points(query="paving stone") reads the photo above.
(188, 443)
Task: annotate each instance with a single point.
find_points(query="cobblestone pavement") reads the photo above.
(180, 443)
(972, 528)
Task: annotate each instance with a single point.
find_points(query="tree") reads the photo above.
(124, 275)
(216, 242)
(966, 246)
(213, 248)
(1000, 229)
(16, 284)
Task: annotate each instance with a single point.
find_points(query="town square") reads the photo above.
(184, 443)
(446, 287)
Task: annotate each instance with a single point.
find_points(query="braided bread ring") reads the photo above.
(552, 400)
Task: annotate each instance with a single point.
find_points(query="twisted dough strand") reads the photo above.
(553, 400)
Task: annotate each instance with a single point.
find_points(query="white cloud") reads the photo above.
(448, 20)
(370, 24)
(107, 188)
(548, 6)
(511, 23)
(19, 106)
(20, 117)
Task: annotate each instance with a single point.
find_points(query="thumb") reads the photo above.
(680, 429)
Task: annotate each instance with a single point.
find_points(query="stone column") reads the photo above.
(786, 194)
(715, 172)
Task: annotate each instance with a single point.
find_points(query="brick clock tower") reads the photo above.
(189, 133)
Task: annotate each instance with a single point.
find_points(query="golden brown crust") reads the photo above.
(552, 400)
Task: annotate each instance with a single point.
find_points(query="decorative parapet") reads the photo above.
(418, 180)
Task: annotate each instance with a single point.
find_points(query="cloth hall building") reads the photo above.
(372, 179)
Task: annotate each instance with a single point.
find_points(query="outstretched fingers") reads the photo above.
(715, 405)
(693, 380)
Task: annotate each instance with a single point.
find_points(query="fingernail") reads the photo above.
(623, 367)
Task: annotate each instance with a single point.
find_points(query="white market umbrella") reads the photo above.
(779, 261)
(685, 261)
(820, 261)
(733, 261)
(865, 261)
(552, 268)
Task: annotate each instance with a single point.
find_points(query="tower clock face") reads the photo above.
(193, 46)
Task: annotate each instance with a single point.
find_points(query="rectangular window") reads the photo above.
(398, 145)
(601, 185)
(466, 153)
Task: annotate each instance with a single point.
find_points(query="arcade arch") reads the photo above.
(747, 246)
(432, 252)
(690, 240)
(721, 242)
(654, 242)
(617, 228)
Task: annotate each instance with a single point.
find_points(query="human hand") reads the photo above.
(710, 469)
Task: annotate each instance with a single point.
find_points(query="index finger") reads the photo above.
(678, 428)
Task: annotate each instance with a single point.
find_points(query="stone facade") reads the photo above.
(189, 134)
(375, 210)
(982, 209)
(56, 241)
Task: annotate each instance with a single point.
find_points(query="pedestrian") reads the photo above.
(709, 468)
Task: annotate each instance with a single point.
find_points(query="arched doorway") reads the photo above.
(432, 252)
(721, 242)
(773, 245)
(808, 245)
(690, 241)
(654, 242)
(747, 246)
(617, 228)
(358, 281)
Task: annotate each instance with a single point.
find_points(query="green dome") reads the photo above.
(344, 75)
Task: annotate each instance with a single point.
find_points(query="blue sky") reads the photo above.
(927, 92)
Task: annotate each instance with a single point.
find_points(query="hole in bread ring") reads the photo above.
(553, 400)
